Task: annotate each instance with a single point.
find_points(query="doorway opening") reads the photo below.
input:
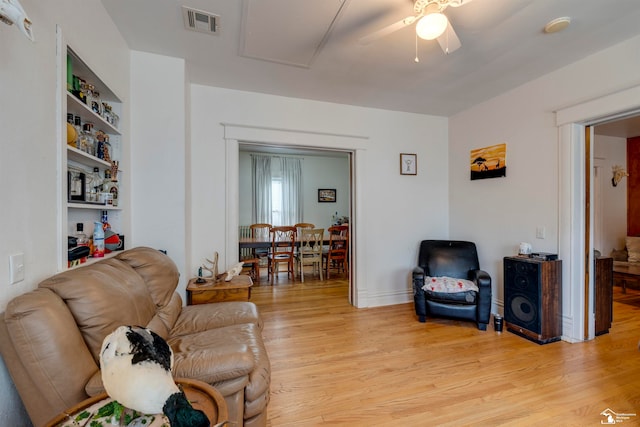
(235, 135)
(610, 225)
(321, 169)
(574, 223)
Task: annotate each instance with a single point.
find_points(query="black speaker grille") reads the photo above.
(524, 311)
(522, 294)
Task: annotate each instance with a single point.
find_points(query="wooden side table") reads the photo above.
(238, 289)
(626, 272)
(201, 395)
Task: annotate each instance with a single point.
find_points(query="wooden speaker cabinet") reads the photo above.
(603, 294)
(532, 295)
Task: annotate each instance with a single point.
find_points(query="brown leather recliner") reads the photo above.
(50, 337)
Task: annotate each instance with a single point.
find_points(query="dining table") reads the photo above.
(265, 242)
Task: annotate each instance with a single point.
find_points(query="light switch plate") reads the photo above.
(16, 268)
(540, 232)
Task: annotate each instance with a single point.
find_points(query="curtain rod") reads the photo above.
(278, 156)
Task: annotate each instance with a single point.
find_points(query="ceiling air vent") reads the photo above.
(201, 21)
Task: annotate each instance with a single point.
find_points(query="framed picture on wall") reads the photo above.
(327, 195)
(488, 162)
(408, 164)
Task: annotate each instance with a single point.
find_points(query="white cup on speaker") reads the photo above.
(525, 248)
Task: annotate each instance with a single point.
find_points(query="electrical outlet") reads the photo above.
(16, 268)
(540, 232)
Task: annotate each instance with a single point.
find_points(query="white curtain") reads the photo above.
(261, 189)
(291, 190)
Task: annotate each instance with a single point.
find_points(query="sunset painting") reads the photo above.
(489, 162)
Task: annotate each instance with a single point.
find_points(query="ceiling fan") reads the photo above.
(431, 23)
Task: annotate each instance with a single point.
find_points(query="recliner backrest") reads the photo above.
(452, 258)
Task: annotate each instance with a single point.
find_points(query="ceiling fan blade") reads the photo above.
(449, 41)
(387, 30)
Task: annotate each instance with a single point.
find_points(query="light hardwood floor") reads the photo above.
(333, 364)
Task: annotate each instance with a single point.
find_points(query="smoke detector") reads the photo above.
(557, 25)
(200, 21)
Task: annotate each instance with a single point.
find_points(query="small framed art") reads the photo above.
(327, 195)
(408, 164)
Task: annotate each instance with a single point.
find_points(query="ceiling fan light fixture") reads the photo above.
(431, 26)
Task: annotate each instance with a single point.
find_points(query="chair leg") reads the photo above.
(256, 271)
(272, 263)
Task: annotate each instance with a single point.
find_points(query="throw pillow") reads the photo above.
(619, 255)
(448, 284)
(633, 247)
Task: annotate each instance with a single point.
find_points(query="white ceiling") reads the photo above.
(311, 47)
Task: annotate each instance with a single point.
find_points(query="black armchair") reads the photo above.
(456, 259)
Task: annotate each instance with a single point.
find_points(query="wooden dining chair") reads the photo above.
(302, 225)
(283, 245)
(337, 254)
(260, 231)
(310, 250)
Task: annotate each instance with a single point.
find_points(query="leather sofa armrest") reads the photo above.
(214, 365)
(418, 294)
(483, 280)
(480, 277)
(203, 317)
(94, 386)
(417, 277)
(211, 366)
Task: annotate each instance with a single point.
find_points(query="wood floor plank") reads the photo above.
(334, 364)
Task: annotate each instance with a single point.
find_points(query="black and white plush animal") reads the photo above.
(136, 372)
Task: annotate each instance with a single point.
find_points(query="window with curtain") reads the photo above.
(276, 201)
(277, 189)
(291, 190)
(261, 189)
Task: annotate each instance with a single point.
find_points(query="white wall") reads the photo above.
(158, 156)
(496, 213)
(499, 213)
(29, 120)
(609, 151)
(399, 211)
(318, 171)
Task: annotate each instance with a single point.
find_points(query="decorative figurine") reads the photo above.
(200, 279)
(136, 364)
(233, 271)
(212, 269)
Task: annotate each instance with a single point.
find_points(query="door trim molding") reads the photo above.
(234, 134)
(571, 122)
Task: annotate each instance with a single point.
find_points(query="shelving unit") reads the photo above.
(72, 158)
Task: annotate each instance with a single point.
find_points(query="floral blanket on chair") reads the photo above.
(448, 284)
